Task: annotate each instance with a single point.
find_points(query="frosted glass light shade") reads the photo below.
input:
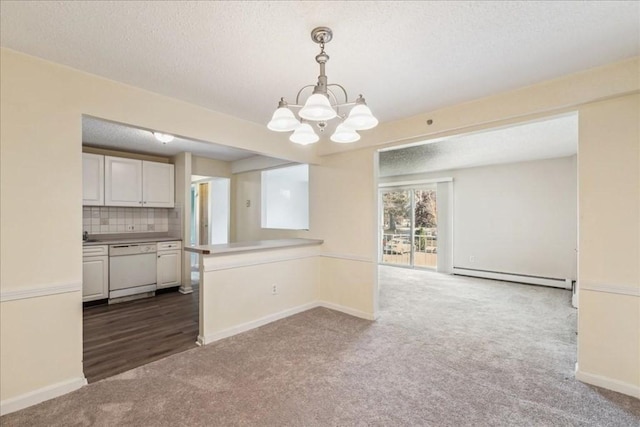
(360, 118)
(163, 137)
(344, 134)
(317, 108)
(283, 120)
(304, 135)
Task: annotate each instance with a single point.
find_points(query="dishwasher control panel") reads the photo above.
(132, 249)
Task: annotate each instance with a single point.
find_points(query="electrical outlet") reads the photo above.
(274, 289)
(130, 227)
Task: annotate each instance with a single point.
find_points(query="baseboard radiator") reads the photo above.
(512, 277)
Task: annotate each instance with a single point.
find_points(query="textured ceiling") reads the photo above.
(546, 139)
(405, 57)
(116, 136)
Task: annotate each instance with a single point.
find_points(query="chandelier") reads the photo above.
(323, 105)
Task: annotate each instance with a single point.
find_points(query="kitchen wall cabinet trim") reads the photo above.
(92, 179)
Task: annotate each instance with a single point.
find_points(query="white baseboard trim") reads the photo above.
(555, 283)
(247, 326)
(40, 395)
(185, 290)
(608, 383)
(40, 291)
(347, 310)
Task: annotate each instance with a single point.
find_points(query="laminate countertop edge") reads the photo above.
(252, 246)
(132, 240)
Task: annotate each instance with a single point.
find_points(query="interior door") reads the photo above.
(203, 213)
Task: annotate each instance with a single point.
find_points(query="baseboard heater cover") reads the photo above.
(511, 277)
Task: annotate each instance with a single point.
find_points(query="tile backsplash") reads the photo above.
(106, 220)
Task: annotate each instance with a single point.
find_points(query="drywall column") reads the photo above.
(182, 164)
(343, 206)
(609, 245)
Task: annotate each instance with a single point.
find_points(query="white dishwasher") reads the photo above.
(132, 269)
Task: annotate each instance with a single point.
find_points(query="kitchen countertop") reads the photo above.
(122, 241)
(256, 245)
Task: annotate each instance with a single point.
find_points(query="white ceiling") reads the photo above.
(116, 136)
(547, 139)
(406, 58)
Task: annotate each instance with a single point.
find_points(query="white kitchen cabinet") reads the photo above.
(92, 179)
(95, 272)
(123, 181)
(157, 185)
(169, 265)
(138, 183)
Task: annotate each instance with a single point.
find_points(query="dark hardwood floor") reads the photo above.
(124, 336)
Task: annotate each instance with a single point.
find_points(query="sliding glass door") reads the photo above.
(409, 227)
(425, 235)
(397, 231)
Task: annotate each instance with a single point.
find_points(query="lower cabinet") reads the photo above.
(95, 273)
(169, 266)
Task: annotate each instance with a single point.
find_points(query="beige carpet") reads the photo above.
(446, 351)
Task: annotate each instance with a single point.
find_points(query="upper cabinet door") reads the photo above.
(123, 182)
(92, 179)
(158, 185)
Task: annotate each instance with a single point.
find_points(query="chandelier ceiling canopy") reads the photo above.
(322, 105)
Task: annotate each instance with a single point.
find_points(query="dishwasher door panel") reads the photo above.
(129, 271)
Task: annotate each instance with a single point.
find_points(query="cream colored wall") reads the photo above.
(539, 100)
(246, 220)
(532, 209)
(40, 342)
(237, 288)
(210, 167)
(609, 241)
(342, 201)
(41, 105)
(343, 211)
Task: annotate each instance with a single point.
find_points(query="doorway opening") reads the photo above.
(210, 215)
